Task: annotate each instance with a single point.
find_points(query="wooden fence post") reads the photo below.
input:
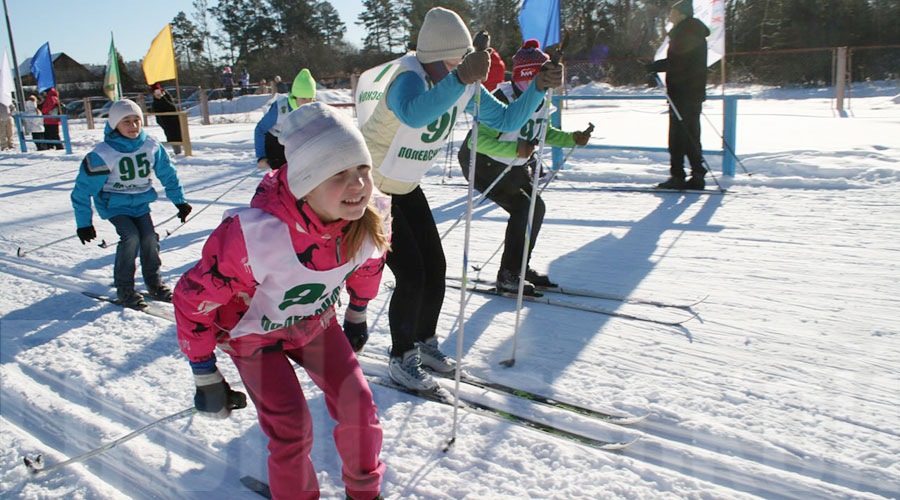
(204, 106)
(89, 113)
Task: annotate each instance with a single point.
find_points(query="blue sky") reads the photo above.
(82, 29)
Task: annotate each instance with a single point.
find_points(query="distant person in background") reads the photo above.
(276, 83)
(228, 82)
(245, 81)
(685, 68)
(263, 87)
(33, 126)
(50, 106)
(164, 103)
(6, 127)
(269, 151)
(497, 73)
(116, 174)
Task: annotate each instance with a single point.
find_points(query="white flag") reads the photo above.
(7, 87)
(712, 14)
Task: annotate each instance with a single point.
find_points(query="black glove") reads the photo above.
(183, 210)
(86, 234)
(550, 76)
(214, 397)
(582, 138)
(355, 327)
(474, 67)
(357, 334)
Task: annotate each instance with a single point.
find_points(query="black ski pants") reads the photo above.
(417, 261)
(684, 139)
(513, 194)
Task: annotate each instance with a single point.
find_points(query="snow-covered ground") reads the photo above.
(787, 385)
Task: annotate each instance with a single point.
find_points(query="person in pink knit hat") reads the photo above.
(264, 291)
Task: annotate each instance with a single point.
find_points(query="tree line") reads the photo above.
(268, 37)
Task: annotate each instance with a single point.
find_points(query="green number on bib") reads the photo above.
(302, 294)
(126, 168)
(143, 165)
(440, 127)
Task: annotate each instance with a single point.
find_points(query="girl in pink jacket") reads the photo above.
(264, 292)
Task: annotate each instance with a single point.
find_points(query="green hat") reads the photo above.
(304, 87)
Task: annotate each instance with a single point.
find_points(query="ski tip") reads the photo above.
(619, 446)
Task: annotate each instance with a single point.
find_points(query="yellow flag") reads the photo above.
(159, 63)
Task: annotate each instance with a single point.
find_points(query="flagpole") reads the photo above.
(19, 91)
(177, 85)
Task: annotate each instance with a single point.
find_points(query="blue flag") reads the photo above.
(42, 68)
(539, 19)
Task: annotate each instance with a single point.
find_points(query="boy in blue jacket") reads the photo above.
(116, 174)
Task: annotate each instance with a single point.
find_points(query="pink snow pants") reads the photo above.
(284, 416)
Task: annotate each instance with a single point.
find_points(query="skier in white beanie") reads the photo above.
(273, 273)
(421, 96)
(116, 175)
(122, 108)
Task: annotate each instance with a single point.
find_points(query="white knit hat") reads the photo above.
(320, 141)
(443, 36)
(122, 108)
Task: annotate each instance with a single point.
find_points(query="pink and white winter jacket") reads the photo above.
(211, 297)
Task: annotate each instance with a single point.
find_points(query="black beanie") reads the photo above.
(686, 7)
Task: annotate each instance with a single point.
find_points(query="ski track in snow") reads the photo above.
(785, 387)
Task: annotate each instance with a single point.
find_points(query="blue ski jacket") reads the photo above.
(92, 176)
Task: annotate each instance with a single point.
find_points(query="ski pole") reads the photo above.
(22, 253)
(480, 199)
(35, 467)
(727, 146)
(694, 142)
(481, 42)
(104, 244)
(527, 246)
(565, 159)
(198, 212)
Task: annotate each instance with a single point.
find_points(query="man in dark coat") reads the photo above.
(685, 68)
(163, 103)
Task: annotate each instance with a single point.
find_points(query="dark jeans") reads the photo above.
(39, 136)
(136, 233)
(513, 194)
(274, 152)
(51, 133)
(684, 139)
(417, 261)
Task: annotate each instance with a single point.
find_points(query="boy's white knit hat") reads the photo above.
(320, 141)
(122, 108)
(443, 36)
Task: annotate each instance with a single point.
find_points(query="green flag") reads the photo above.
(112, 82)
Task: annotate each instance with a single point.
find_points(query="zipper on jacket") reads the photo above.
(337, 249)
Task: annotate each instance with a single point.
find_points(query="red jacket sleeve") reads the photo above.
(214, 293)
(362, 285)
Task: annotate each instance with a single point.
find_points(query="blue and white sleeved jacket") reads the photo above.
(93, 175)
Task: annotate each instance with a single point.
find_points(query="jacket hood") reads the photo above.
(121, 143)
(273, 196)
